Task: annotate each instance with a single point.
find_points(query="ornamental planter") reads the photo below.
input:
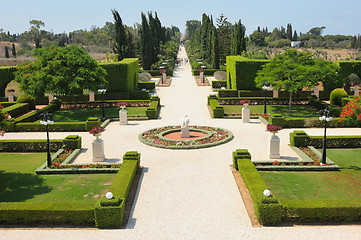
(98, 149)
(274, 146)
(246, 113)
(123, 118)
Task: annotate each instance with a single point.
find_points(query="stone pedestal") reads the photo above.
(316, 92)
(185, 132)
(123, 118)
(275, 93)
(91, 97)
(201, 77)
(51, 97)
(246, 114)
(274, 147)
(98, 150)
(356, 91)
(11, 98)
(164, 78)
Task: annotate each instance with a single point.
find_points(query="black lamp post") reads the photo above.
(265, 87)
(325, 116)
(102, 90)
(46, 119)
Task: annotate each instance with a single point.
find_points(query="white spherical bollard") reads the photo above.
(109, 195)
(267, 192)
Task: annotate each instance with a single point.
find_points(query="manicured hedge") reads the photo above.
(109, 213)
(219, 83)
(267, 209)
(346, 68)
(39, 145)
(146, 85)
(153, 109)
(17, 109)
(122, 76)
(56, 127)
(155, 73)
(227, 93)
(302, 139)
(216, 108)
(242, 71)
(6, 76)
(79, 213)
(207, 72)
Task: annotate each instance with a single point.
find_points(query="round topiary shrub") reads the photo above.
(220, 75)
(144, 77)
(337, 95)
(26, 99)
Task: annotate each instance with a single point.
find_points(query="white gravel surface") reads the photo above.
(187, 194)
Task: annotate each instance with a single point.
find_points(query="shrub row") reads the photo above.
(146, 85)
(219, 83)
(16, 109)
(40, 145)
(279, 120)
(153, 109)
(109, 213)
(157, 72)
(33, 116)
(302, 139)
(216, 109)
(207, 72)
(267, 209)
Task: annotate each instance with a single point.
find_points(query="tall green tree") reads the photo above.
(289, 31)
(7, 52)
(60, 70)
(13, 50)
(224, 30)
(294, 70)
(146, 43)
(120, 46)
(238, 38)
(35, 26)
(215, 49)
(205, 35)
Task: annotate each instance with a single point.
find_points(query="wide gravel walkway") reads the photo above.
(187, 194)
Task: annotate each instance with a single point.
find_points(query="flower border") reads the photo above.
(215, 136)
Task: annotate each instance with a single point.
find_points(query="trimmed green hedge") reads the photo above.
(6, 76)
(155, 73)
(40, 145)
(267, 209)
(207, 72)
(146, 85)
(227, 93)
(302, 139)
(122, 76)
(219, 83)
(80, 214)
(109, 213)
(17, 109)
(153, 109)
(216, 108)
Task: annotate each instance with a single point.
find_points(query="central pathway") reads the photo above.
(188, 194)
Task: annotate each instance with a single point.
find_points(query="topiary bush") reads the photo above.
(220, 75)
(144, 77)
(337, 95)
(27, 99)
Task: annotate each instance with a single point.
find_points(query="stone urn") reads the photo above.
(98, 148)
(123, 118)
(246, 113)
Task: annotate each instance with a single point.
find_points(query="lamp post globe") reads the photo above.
(324, 116)
(46, 119)
(102, 90)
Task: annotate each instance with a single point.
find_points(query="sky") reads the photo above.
(339, 17)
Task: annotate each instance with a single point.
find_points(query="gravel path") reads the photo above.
(187, 194)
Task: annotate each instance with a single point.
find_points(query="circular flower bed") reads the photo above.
(215, 136)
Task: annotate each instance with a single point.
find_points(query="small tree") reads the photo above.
(294, 70)
(14, 51)
(7, 52)
(60, 70)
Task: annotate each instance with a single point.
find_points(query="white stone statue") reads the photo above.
(185, 128)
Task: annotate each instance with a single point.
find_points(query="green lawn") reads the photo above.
(302, 111)
(344, 184)
(19, 183)
(85, 113)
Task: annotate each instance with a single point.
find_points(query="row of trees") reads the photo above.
(213, 43)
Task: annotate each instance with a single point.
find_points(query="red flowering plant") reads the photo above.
(122, 104)
(162, 70)
(96, 130)
(201, 70)
(244, 101)
(351, 113)
(273, 128)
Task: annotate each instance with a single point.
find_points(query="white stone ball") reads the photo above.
(267, 192)
(109, 195)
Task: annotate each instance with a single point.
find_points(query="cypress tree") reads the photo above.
(215, 48)
(295, 37)
(120, 44)
(146, 43)
(204, 36)
(7, 52)
(289, 31)
(14, 51)
(239, 41)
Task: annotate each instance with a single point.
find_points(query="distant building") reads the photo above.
(296, 43)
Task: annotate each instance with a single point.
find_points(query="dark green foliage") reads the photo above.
(238, 39)
(79, 214)
(242, 72)
(219, 84)
(56, 127)
(17, 109)
(337, 95)
(7, 52)
(122, 76)
(299, 139)
(227, 93)
(215, 49)
(269, 211)
(13, 50)
(91, 123)
(217, 109)
(207, 72)
(153, 109)
(146, 85)
(123, 45)
(72, 142)
(109, 213)
(27, 99)
(6, 76)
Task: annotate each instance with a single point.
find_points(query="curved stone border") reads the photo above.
(215, 136)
